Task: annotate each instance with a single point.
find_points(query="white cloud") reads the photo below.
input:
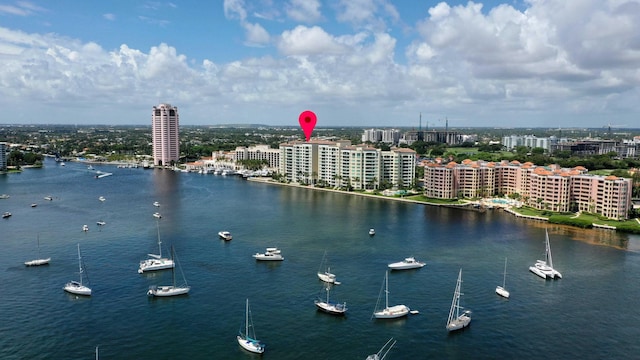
(256, 35)
(368, 14)
(110, 17)
(307, 11)
(234, 9)
(314, 40)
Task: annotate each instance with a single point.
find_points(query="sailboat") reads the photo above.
(392, 312)
(171, 290)
(384, 350)
(457, 320)
(501, 290)
(544, 268)
(327, 276)
(331, 307)
(39, 261)
(156, 262)
(77, 287)
(247, 340)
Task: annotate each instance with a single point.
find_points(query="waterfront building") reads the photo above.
(259, 152)
(165, 123)
(3, 156)
(541, 187)
(340, 164)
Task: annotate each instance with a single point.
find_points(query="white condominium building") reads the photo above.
(339, 164)
(259, 152)
(165, 124)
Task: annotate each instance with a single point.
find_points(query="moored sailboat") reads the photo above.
(326, 275)
(156, 262)
(329, 307)
(78, 287)
(174, 289)
(502, 290)
(544, 268)
(389, 312)
(458, 320)
(39, 261)
(247, 340)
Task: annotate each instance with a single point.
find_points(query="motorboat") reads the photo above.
(34, 204)
(407, 263)
(6, 214)
(157, 215)
(458, 318)
(48, 198)
(271, 254)
(101, 223)
(174, 289)
(329, 307)
(389, 312)
(225, 235)
(85, 227)
(156, 261)
(102, 198)
(4, 196)
(544, 268)
(247, 340)
(77, 287)
(156, 204)
(372, 232)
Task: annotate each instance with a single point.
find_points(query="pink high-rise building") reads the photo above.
(166, 141)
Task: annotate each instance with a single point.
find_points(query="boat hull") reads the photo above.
(502, 292)
(330, 308)
(74, 287)
(155, 264)
(37, 262)
(251, 346)
(268, 257)
(392, 312)
(459, 323)
(405, 266)
(327, 277)
(166, 291)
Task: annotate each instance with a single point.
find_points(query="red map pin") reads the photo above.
(307, 120)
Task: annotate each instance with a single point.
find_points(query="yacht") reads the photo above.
(101, 223)
(407, 263)
(48, 198)
(271, 254)
(6, 214)
(156, 204)
(225, 235)
(157, 215)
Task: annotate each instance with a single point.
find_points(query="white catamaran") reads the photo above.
(156, 262)
(544, 268)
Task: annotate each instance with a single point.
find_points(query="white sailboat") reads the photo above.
(544, 268)
(39, 261)
(502, 290)
(384, 350)
(77, 287)
(156, 262)
(326, 275)
(171, 290)
(248, 339)
(388, 312)
(458, 320)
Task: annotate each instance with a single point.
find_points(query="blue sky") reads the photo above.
(523, 63)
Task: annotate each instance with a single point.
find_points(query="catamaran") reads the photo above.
(544, 268)
(156, 262)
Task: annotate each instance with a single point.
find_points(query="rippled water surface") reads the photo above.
(589, 314)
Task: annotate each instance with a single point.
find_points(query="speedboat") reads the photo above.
(157, 215)
(6, 214)
(407, 263)
(271, 254)
(225, 235)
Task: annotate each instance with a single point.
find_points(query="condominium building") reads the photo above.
(541, 187)
(339, 164)
(259, 152)
(3, 156)
(165, 124)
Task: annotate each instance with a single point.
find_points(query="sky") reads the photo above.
(378, 63)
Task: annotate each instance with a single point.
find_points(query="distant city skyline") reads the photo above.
(361, 63)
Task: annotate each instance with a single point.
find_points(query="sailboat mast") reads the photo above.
(548, 249)
(386, 290)
(173, 269)
(159, 242)
(80, 264)
(504, 277)
(246, 320)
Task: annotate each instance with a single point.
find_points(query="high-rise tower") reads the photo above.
(166, 141)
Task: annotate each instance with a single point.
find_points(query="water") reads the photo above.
(589, 314)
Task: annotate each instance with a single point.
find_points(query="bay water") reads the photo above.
(589, 314)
